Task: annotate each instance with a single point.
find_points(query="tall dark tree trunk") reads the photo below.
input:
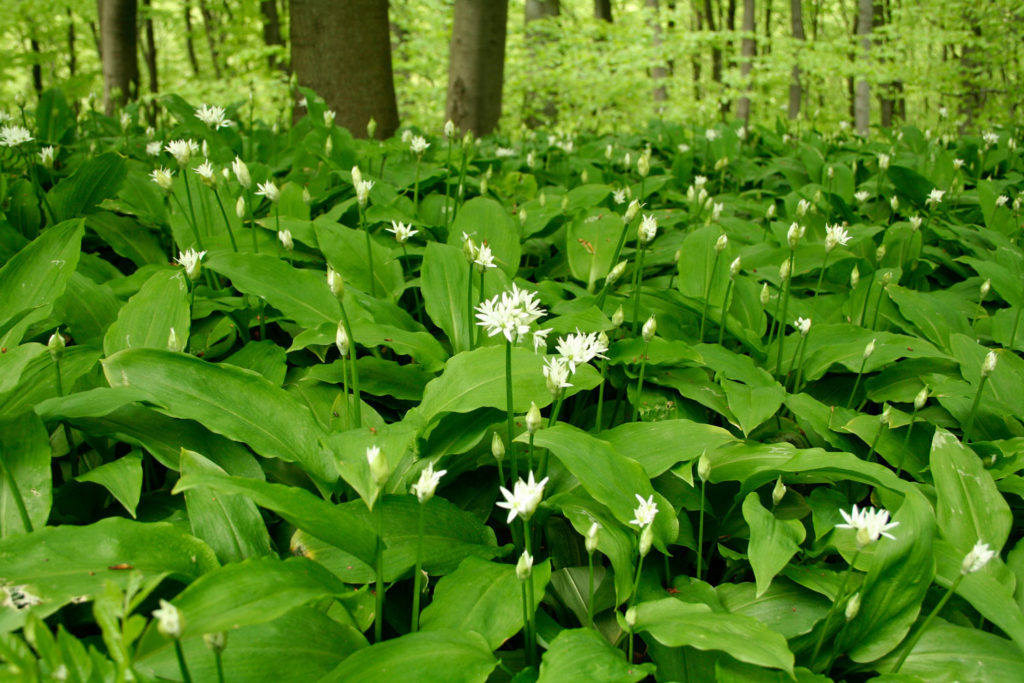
(747, 50)
(767, 49)
(540, 108)
(796, 88)
(476, 64)
(658, 73)
(862, 98)
(272, 31)
(149, 55)
(72, 52)
(37, 65)
(603, 10)
(696, 23)
(189, 41)
(342, 50)
(119, 52)
(716, 52)
(209, 26)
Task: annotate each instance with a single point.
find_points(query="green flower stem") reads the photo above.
(638, 280)
(460, 189)
(867, 295)
(602, 295)
(874, 443)
(355, 371)
(510, 416)
(218, 660)
(725, 309)
(700, 532)
(417, 577)
(840, 595)
(344, 391)
(785, 307)
(529, 456)
(1013, 331)
(378, 614)
(191, 208)
(67, 428)
(707, 296)
(531, 605)
(447, 183)
(821, 276)
(799, 362)
(369, 252)
(469, 307)
(906, 442)
(227, 223)
(416, 188)
(878, 306)
(16, 494)
(912, 641)
(974, 409)
(856, 383)
(476, 341)
(603, 369)
(542, 468)
(182, 666)
(640, 381)
(632, 602)
(773, 326)
(590, 590)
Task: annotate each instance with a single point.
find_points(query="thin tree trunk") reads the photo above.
(72, 54)
(544, 112)
(658, 73)
(748, 49)
(189, 44)
(272, 31)
(716, 52)
(862, 99)
(342, 50)
(209, 29)
(796, 88)
(37, 65)
(697, 25)
(603, 10)
(119, 52)
(477, 64)
(149, 55)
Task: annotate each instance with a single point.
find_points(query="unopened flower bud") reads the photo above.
(650, 328)
(56, 346)
(852, 606)
(784, 271)
(630, 617)
(497, 447)
(765, 295)
(240, 207)
(921, 398)
(169, 620)
(618, 317)
(533, 420)
(869, 349)
(894, 203)
(986, 287)
(524, 567)
(721, 243)
(341, 339)
(643, 165)
(216, 641)
(615, 273)
(734, 267)
(990, 363)
(631, 211)
(646, 539)
(854, 277)
(703, 467)
(285, 236)
(591, 542)
(379, 468)
(371, 128)
(779, 492)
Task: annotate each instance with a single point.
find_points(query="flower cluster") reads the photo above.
(524, 497)
(213, 117)
(869, 523)
(510, 313)
(13, 136)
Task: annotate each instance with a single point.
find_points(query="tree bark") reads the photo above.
(189, 43)
(208, 26)
(544, 112)
(748, 49)
(72, 54)
(37, 65)
(342, 50)
(796, 88)
(658, 73)
(716, 52)
(476, 65)
(603, 10)
(862, 99)
(272, 31)
(118, 52)
(149, 55)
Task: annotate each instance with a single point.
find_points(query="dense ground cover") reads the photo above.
(723, 403)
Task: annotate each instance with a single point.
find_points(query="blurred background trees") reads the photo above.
(568, 64)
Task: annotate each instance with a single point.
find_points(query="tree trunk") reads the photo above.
(72, 54)
(342, 50)
(862, 99)
(747, 50)
(189, 44)
(477, 64)
(208, 26)
(603, 10)
(716, 52)
(545, 112)
(767, 27)
(272, 31)
(658, 73)
(796, 88)
(149, 55)
(696, 23)
(118, 52)
(37, 65)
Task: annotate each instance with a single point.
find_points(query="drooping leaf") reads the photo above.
(148, 319)
(25, 452)
(773, 541)
(433, 655)
(122, 477)
(95, 180)
(583, 654)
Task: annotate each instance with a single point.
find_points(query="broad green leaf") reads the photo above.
(614, 541)
(252, 592)
(25, 453)
(773, 542)
(160, 307)
(331, 523)
(969, 509)
(476, 379)
(122, 477)
(484, 597)
(127, 237)
(238, 404)
(948, 653)
(676, 624)
(909, 183)
(485, 220)
(264, 357)
(95, 180)
(350, 448)
(39, 273)
(844, 344)
(230, 523)
(450, 535)
(896, 583)
(785, 607)
(345, 250)
(444, 282)
(590, 244)
(258, 652)
(431, 656)
(752, 405)
(86, 309)
(58, 565)
(659, 446)
(612, 479)
(583, 654)
(301, 295)
(14, 362)
(38, 380)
